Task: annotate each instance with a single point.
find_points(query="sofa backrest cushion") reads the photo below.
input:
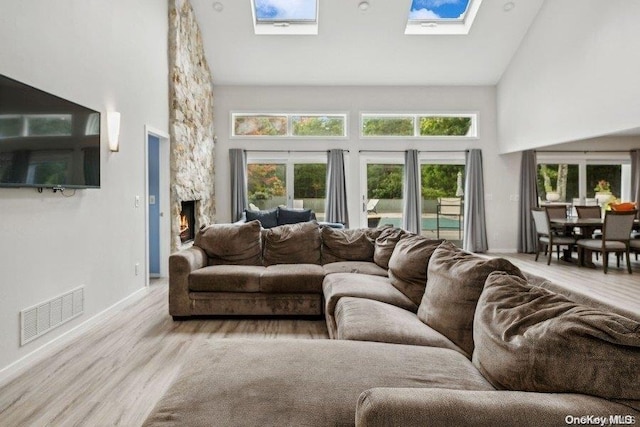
(235, 244)
(455, 281)
(348, 244)
(531, 339)
(267, 218)
(294, 216)
(386, 243)
(292, 244)
(408, 265)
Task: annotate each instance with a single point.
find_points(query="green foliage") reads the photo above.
(318, 126)
(610, 173)
(388, 126)
(309, 180)
(444, 126)
(384, 181)
(260, 125)
(265, 181)
(439, 180)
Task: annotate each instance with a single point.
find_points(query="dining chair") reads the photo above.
(590, 211)
(616, 233)
(557, 212)
(546, 237)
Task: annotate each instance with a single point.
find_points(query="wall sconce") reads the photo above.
(113, 130)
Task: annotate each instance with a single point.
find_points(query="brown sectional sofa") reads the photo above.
(483, 345)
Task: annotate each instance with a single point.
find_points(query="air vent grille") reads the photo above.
(41, 318)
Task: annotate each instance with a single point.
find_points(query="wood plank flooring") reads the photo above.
(114, 374)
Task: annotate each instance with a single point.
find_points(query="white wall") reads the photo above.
(501, 172)
(574, 76)
(106, 55)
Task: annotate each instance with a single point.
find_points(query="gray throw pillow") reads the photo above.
(235, 244)
(455, 281)
(293, 216)
(267, 218)
(292, 244)
(531, 339)
(408, 265)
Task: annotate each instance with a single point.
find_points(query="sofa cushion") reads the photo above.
(267, 218)
(531, 339)
(348, 244)
(362, 267)
(386, 243)
(293, 216)
(456, 279)
(236, 244)
(292, 244)
(226, 278)
(364, 319)
(292, 278)
(408, 265)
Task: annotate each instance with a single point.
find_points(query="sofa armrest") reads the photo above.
(444, 407)
(181, 264)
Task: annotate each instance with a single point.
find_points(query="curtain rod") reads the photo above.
(291, 151)
(419, 151)
(582, 151)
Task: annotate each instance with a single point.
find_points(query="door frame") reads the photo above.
(164, 200)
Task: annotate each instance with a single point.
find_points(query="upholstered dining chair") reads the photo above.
(557, 212)
(546, 237)
(616, 233)
(590, 211)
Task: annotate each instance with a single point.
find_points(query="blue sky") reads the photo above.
(437, 9)
(285, 9)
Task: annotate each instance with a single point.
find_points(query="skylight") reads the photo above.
(441, 16)
(285, 16)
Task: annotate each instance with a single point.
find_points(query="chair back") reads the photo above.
(618, 225)
(450, 205)
(557, 211)
(541, 221)
(588, 212)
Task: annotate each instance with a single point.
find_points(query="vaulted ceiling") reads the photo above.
(356, 47)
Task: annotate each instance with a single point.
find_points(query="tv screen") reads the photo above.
(46, 141)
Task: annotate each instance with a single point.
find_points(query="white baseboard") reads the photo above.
(16, 368)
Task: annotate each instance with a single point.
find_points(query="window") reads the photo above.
(383, 202)
(284, 17)
(289, 125)
(419, 125)
(267, 185)
(310, 187)
(442, 201)
(558, 182)
(433, 17)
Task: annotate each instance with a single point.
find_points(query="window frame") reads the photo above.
(444, 26)
(473, 133)
(289, 131)
(285, 26)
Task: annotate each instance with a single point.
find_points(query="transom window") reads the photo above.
(441, 16)
(419, 125)
(281, 17)
(289, 125)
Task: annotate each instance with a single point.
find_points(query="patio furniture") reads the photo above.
(449, 207)
(371, 206)
(616, 234)
(546, 237)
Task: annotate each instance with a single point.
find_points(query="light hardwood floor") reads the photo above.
(115, 373)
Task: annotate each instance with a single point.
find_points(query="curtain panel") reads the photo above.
(475, 228)
(635, 177)
(527, 239)
(412, 198)
(239, 192)
(336, 200)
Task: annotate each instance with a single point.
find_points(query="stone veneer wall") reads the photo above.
(190, 119)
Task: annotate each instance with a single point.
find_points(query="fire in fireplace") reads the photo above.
(188, 221)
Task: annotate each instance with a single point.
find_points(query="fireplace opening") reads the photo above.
(188, 221)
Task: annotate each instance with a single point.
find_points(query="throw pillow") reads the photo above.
(348, 244)
(292, 244)
(408, 265)
(456, 279)
(531, 339)
(235, 244)
(386, 243)
(293, 216)
(267, 218)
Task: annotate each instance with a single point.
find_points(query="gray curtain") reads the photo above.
(475, 228)
(635, 177)
(336, 200)
(411, 209)
(238, 168)
(527, 240)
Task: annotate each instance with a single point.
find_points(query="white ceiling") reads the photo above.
(361, 48)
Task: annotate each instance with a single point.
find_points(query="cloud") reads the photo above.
(286, 9)
(432, 4)
(423, 14)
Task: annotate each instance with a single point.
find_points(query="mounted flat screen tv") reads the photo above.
(46, 141)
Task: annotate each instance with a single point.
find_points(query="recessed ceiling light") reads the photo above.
(218, 6)
(363, 5)
(508, 6)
